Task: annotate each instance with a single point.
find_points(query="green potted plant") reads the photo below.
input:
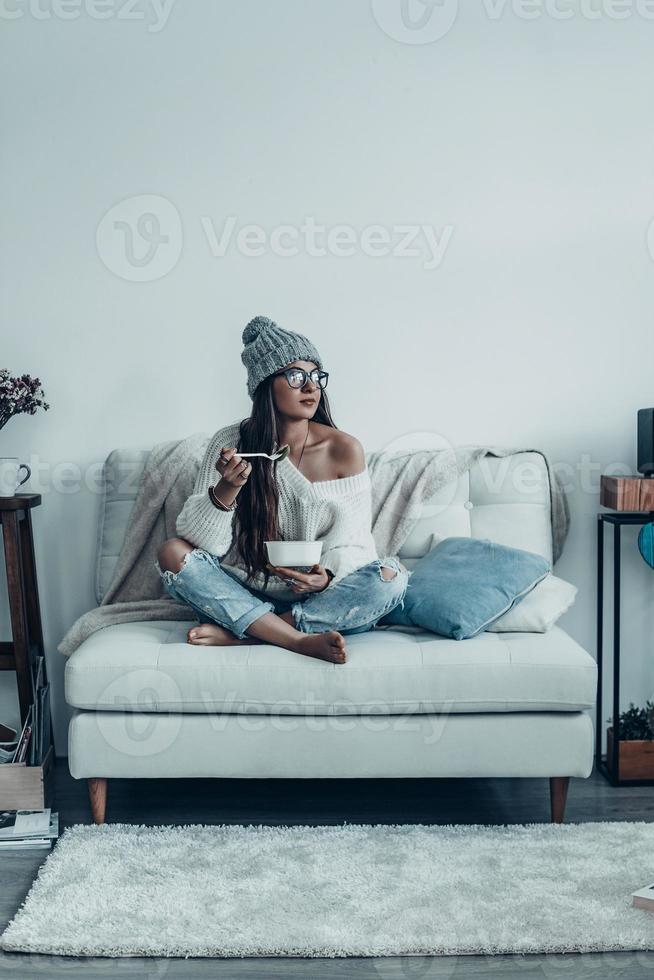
(636, 736)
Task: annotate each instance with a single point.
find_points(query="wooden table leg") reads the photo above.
(34, 625)
(19, 628)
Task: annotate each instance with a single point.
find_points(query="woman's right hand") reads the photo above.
(233, 470)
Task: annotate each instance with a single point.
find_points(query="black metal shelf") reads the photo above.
(617, 519)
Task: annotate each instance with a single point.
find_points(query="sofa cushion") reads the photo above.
(506, 499)
(539, 610)
(464, 584)
(121, 477)
(149, 666)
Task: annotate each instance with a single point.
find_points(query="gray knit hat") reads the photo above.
(268, 348)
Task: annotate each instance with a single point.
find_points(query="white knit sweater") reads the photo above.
(336, 512)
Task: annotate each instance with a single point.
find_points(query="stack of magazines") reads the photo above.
(28, 829)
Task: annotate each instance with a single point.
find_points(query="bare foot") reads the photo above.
(328, 646)
(212, 635)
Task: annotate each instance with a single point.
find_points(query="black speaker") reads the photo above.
(646, 441)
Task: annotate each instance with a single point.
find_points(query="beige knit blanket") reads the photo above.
(401, 482)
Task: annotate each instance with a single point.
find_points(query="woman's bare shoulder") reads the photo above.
(347, 453)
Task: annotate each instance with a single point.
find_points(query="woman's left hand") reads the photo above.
(314, 581)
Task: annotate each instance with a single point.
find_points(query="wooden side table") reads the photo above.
(24, 610)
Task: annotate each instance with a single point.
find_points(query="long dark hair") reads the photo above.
(255, 518)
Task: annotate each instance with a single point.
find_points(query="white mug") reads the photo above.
(9, 470)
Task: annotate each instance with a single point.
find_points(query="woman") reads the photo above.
(320, 492)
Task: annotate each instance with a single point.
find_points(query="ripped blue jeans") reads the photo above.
(354, 604)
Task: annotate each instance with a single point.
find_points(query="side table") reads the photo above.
(24, 610)
(617, 519)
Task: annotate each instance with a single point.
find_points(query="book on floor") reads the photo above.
(28, 828)
(644, 898)
(25, 844)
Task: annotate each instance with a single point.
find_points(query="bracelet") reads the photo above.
(217, 502)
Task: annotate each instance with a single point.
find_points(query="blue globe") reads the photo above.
(646, 543)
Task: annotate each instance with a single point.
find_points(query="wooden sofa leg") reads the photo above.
(98, 798)
(558, 796)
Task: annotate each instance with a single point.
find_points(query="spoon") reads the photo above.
(281, 453)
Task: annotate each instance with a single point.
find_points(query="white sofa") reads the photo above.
(408, 703)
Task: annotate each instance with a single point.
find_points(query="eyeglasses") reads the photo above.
(297, 377)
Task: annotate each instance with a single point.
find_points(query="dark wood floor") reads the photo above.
(492, 801)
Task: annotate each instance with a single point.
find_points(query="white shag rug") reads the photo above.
(347, 890)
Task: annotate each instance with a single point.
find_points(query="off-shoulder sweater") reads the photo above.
(336, 512)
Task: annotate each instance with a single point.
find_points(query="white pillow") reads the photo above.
(536, 613)
(540, 608)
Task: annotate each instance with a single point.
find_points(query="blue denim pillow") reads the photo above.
(464, 584)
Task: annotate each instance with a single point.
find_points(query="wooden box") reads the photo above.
(631, 493)
(24, 787)
(636, 757)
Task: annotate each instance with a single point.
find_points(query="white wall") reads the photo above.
(527, 141)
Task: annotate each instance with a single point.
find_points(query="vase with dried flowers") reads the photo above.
(19, 396)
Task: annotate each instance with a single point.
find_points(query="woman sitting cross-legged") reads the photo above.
(321, 491)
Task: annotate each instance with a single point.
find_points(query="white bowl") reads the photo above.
(294, 554)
